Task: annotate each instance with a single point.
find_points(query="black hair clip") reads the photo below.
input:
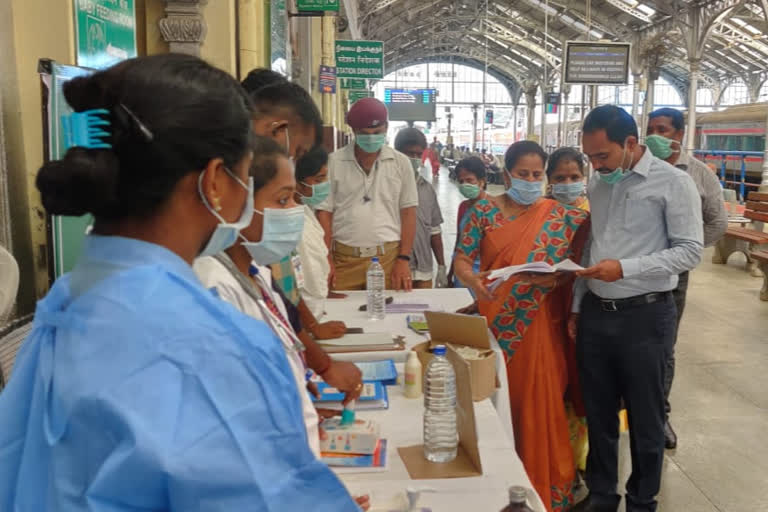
(145, 132)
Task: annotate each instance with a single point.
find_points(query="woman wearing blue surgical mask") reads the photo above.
(242, 276)
(312, 188)
(565, 174)
(528, 313)
(137, 389)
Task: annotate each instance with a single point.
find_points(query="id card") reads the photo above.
(298, 271)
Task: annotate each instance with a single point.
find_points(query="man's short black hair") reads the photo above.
(410, 137)
(675, 115)
(616, 122)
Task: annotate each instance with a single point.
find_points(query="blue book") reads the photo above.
(383, 371)
(373, 396)
(344, 463)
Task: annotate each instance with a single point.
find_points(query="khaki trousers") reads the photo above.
(351, 267)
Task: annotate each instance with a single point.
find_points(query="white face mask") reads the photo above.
(225, 234)
(280, 234)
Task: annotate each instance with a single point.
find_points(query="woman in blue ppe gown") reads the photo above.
(137, 388)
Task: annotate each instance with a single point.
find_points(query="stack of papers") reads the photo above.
(497, 277)
(364, 342)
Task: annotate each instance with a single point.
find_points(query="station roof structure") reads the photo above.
(522, 41)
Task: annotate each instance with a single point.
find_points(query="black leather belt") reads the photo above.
(613, 305)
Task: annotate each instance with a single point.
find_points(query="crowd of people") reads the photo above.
(169, 370)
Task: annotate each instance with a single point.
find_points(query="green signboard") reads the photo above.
(67, 232)
(105, 32)
(356, 95)
(359, 59)
(353, 83)
(317, 5)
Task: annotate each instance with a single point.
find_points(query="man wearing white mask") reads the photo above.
(371, 210)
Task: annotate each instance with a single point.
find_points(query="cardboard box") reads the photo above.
(467, 330)
(359, 438)
(467, 462)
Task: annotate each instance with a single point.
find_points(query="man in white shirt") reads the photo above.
(371, 210)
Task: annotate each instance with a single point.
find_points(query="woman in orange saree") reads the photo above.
(528, 314)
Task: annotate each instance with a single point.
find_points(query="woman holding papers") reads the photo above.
(528, 313)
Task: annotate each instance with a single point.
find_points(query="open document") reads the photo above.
(497, 277)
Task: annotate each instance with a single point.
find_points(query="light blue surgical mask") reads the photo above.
(522, 191)
(320, 192)
(568, 192)
(280, 235)
(370, 142)
(225, 234)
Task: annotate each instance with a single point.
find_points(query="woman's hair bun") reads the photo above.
(84, 93)
(84, 181)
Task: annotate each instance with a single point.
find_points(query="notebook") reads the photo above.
(372, 397)
(383, 371)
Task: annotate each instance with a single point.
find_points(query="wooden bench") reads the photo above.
(761, 258)
(747, 240)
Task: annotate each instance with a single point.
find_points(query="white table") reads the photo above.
(447, 299)
(401, 425)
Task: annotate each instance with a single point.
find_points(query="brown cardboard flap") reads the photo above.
(470, 330)
(467, 462)
(421, 469)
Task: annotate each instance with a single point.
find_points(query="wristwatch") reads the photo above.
(403, 257)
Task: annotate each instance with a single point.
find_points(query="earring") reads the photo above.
(217, 204)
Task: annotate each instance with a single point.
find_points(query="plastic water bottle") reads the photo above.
(517, 500)
(375, 286)
(440, 434)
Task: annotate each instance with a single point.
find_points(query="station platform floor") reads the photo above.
(720, 394)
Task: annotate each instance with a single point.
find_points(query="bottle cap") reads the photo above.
(375, 259)
(439, 350)
(517, 494)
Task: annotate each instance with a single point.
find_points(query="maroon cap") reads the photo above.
(367, 113)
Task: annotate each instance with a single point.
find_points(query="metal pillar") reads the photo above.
(329, 59)
(530, 99)
(648, 103)
(635, 95)
(690, 134)
(543, 141)
(764, 181)
(514, 123)
(474, 126)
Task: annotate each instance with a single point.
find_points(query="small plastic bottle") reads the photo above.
(375, 285)
(517, 500)
(412, 388)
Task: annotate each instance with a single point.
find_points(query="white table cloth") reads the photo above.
(401, 425)
(443, 299)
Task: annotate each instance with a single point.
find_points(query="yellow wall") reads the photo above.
(220, 46)
(26, 35)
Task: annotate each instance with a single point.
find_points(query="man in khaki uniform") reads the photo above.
(371, 210)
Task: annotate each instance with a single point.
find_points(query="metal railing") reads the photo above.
(722, 171)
